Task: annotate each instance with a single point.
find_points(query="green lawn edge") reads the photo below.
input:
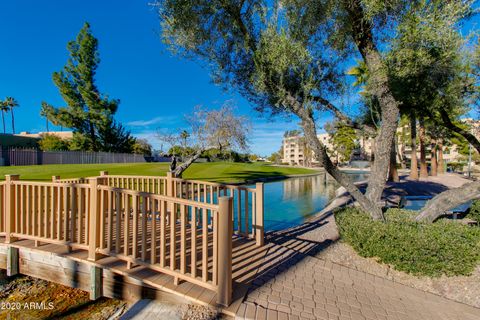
(225, 172)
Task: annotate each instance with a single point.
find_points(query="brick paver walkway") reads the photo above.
(292, 283)
(289, 281)
(306, 287)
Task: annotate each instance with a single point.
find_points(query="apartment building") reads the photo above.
(294, 149)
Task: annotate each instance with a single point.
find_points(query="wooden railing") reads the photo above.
(47, 212)
(175, 236)
(248, 215)
(156, 185)
(178, 227)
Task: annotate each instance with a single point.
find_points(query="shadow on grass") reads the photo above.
(244, 177)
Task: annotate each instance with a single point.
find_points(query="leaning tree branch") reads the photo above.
(452, 198)
(447, 123)
(177, 172)
(449, 200)
(322, 156)
(342, 116)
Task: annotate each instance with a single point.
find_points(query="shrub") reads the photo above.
(51, 142)
(441, 248)
(474, 212)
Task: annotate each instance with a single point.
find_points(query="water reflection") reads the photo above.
(289, 202)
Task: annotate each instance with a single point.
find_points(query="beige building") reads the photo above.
(61, 134)
(294, 149)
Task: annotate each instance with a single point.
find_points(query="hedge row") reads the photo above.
(441, 248)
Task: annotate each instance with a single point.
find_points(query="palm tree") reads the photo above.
(46, 111)
(12, 103)
(360, 72)
(4, 108)
(184, 135)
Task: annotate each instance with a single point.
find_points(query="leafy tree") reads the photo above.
(210, 129)
(113, 137)
(178, 150)
(285, 56)
(46, 111)
(343, 138)
(184, 135)
(276, 157)
(51, 142)
(141, 146)
(425, 60)
(88, 112)
(11, 103)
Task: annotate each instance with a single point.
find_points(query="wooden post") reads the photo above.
(95, 282)
(225, 228)
(55, 178)
(94, 227)
(259, 216)
(170, 184)
(12, 261)
(10, 207)
(170, 190)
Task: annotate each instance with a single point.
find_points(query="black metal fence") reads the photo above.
(25, 157)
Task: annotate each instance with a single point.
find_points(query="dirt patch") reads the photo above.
(198, 312)
(28, 298)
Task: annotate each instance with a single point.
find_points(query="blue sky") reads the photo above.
(155, 88)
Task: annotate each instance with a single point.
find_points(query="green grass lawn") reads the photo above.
(214, 171)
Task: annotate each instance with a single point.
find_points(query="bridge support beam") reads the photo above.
(95, 283)
(12, 261)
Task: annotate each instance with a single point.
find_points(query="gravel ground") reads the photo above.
(28, 298)
(156, 309)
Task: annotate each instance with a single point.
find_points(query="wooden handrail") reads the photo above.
(158, 230)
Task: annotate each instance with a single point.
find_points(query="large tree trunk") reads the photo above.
(362, 33)
(433, 159)
(93, 138)
(441, 162)
(423, 152)
(177, 172)
(448, 200)
(320, 151)
(393, 172)
(413, 157)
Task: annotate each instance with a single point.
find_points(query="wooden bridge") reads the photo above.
(192, 238)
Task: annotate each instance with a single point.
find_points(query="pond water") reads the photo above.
(290, 202)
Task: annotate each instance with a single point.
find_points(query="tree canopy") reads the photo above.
(88, 112)
(219, 130)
